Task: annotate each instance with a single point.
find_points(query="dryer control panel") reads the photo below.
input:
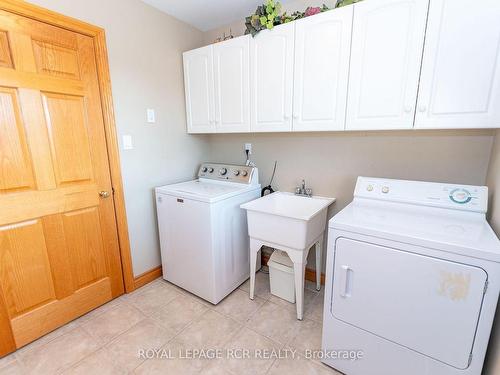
(459, 197)
(229, 172)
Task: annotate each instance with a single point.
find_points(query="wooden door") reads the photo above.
(271, 72)
(59, 253)
(460, 83)
(322, 48)
(232, 85)
(199, 89)
(387, 44)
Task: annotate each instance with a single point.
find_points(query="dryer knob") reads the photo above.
(236, 172)
(223, 171)
(244, 173)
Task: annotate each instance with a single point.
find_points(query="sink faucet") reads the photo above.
(303, 190)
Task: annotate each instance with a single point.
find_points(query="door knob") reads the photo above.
(104, 194)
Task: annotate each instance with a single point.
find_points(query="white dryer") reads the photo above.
(413, 278)
(203, 230)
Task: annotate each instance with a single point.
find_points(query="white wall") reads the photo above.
(144, 47)
(492, 366)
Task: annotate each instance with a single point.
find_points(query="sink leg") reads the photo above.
(319, 250)
(299, 269)
(254, 250)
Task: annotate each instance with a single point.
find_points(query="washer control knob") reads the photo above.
(210, 170)
(236, 172)
(244, 173)
(460, 196)
(369, 188)
(204, 169)
(223, 171)
(385, 189)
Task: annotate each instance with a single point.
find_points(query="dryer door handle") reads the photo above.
(346, 281)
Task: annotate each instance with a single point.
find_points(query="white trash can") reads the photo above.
(281, 276)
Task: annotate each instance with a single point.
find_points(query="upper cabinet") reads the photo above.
(460, 82)
(232, 85)
(322, 47)
(199, 89)
(373, 65)
(271, 77)
(387, 42)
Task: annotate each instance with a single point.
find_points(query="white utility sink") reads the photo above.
(290, 223)
(287, 219)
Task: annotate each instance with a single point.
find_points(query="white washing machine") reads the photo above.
(203, 230)
(413, 278)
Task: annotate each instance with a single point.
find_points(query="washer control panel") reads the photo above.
(460, 197)
(228, 172)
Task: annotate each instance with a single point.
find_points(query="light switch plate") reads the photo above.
(151, 115)
(127, 142)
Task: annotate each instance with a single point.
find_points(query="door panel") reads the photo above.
(232, 85)
(69, 139)
(199, 90)
(25, 268)
(387, 44)
(428, 305)
(83, 236)
(322, 49)
(5, 56)
(59, 254)
(272, 89)
(55, 60)
(15, 170)
(460, 83)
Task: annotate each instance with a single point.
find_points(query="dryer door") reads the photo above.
(429, 305)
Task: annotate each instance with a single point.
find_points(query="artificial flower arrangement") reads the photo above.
(268, 15)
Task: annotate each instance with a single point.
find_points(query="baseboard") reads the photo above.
(147, 277)
(156, 272)
(310, 273)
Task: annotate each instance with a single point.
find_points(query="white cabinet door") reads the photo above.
(428, 305)
(387, 43)
(460, 82)
(232, 85)
(271, 67)
(199, 90)
(322, 46)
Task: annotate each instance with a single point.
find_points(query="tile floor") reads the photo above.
(108, 340)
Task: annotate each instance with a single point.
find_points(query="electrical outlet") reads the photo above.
(248, 147)
(151, 115)
(127, 142)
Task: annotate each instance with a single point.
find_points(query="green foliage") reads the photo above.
(268, 15)
(265, 17)
(342, 3)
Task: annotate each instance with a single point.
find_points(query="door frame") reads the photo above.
(101, 55)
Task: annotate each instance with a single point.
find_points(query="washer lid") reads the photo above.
(205, 191)
(459, 232)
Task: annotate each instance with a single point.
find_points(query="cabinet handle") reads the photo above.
(422, 108)
(408, 109)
